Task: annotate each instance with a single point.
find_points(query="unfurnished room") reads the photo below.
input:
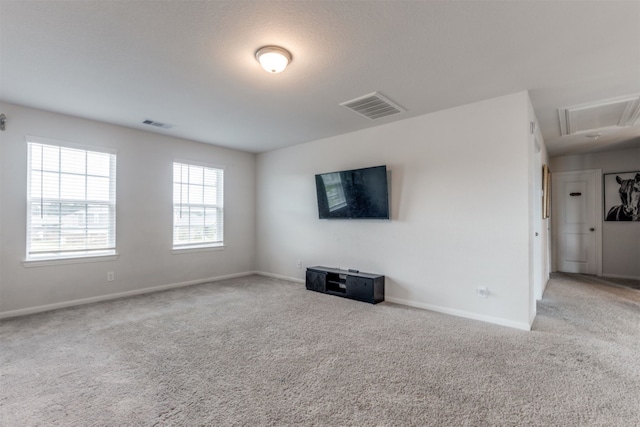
(329, 213)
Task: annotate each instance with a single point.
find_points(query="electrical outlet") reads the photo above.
(299, 263)
(110, 276)
(482, 292)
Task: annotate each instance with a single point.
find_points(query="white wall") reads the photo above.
(460, 210)
(144, 214)
(540, 231)
(620, 240)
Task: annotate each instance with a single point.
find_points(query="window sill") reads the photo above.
(63, 261)
(197, 249)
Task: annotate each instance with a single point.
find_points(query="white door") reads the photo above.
(576, 221)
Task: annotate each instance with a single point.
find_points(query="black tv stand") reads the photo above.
(346, 283)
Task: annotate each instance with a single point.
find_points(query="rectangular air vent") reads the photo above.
(616, 112)
(373, 106)
(157, 124)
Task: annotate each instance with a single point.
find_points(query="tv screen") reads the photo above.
(353, 194)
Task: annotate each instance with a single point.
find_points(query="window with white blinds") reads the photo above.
(71, 201)
(198, 199)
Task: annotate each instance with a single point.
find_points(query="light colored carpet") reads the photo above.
(629, 283)
(260, 351)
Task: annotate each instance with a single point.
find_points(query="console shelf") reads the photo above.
(346, 283)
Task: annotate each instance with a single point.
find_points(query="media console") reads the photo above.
(346, 283)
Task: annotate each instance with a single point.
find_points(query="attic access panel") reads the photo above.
(611, 113)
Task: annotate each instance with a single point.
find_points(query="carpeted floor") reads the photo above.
(627, 283)
(259, 351)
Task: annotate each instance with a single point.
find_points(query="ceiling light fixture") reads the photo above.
(273, 59)
(593, 136)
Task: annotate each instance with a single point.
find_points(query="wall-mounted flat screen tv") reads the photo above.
(353, 194)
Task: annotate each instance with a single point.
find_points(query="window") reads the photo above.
(197, 206)
(335, 192)
(71, 201)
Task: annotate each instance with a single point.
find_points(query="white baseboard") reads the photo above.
(278, 276)
(72, 303)
(532, 318)
(82, 301)
(460, 313)
(620, 276)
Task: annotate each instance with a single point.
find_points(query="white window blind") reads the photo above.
(198, 199)
(71, 201)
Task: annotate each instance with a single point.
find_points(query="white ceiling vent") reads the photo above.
(373, 106)
(610, 113)
(157, 124)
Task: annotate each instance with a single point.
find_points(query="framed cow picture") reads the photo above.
(622, 196)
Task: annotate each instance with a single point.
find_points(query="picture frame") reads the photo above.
(546, 192)
(621, 196)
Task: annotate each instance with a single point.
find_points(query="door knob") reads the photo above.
(592, 229)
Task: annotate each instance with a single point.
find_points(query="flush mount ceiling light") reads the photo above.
(273, 59)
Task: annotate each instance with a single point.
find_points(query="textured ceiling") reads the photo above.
(191, 63)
